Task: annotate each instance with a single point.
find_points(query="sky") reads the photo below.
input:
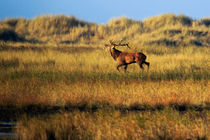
(101, 11)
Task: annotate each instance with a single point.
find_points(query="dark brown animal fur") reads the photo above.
(126, 58)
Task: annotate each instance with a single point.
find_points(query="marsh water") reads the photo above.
(6, 130)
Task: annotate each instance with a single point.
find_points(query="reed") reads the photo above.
(109, 124)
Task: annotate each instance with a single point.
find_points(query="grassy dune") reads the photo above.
(163, 30)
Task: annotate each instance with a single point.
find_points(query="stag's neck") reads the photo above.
(115, 53)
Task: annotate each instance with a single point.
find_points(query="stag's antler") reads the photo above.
(125, 44)
(111, 42)
(119, 44)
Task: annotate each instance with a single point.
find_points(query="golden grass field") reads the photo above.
(77, 93)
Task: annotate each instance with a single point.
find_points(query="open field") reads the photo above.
(56, 77)
(77, 93)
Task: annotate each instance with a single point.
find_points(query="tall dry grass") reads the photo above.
(165, 124)
(77, 93)
(70, 76)
(162, 30)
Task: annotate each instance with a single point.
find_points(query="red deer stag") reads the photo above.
(126, 58)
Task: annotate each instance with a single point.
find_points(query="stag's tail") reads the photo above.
(143, 58)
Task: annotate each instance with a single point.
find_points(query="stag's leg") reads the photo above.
(125, 68)
(147, 63)
(120, 65)
(141, 66)
(140, 63)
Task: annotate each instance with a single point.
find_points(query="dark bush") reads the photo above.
(11, 22)
(185, 20)
(206, 21)
(165, 42)
(10, 35)
(196, 43)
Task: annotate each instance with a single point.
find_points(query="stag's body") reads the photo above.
(126, 58)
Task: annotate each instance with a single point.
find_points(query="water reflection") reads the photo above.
(6, 130)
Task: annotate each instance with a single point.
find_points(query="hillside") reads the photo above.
(163, 30)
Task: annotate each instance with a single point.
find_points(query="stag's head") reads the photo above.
(110, 46)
